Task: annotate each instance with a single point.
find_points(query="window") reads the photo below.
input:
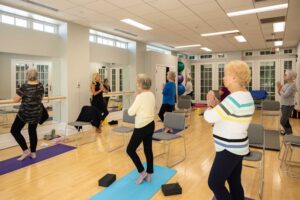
(206, 56)
(121, 45)
(102, 72)
(192, 57)
(49, 29)
(221, 74)
(113, 80)
(157, 49)
(121, 80)
(38, 26)
(20, 74)
(8, 19)
(193, 79)
(21, 22)
(221, 55)
(206, 80)
(267, 78)
(248, 53)
(262, 53)
(43, 74)
(288, 51)
(249, 86)
(107, 39)
(92, 38)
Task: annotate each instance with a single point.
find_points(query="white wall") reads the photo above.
(29, 42)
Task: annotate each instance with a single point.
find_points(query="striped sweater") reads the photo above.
(232, 118)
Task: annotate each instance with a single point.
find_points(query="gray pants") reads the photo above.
(286, 112)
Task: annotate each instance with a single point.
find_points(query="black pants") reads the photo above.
(106, 100)
(165, 108)
(140, 135)
(16, 132)
(226, 167)
(286, 112)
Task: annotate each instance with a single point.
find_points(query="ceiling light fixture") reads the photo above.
(240, 38)
(136, 24)
(206, 49)
(219, 33)
(188, 46)
(278, 43)
(258, 10)
(278, 27)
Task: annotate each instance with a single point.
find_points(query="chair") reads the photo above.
(122, 129)
(257, 137)
(174, 121)
(289, 143)
(76, 125)
(184, 106)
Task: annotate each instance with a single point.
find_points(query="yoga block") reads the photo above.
(107, 180)
(171, 189)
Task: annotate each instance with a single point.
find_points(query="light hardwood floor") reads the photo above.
(74, 175)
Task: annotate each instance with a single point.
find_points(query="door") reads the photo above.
(160, 80)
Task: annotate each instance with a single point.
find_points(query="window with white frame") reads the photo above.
(107, 39)
(116, 77)
(249, 86)
(193, 79)
(221, 74)
(157, 49)
(267, 78)
(205, 79)
(102, 73)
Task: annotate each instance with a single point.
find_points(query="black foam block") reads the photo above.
(171, 189)
(107, 180)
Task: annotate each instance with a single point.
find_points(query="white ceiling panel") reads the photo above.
(60, 5)
(235, 5)
(164, 4)
(101, 6)
(124, 3)
(81, 2)
(141, 9)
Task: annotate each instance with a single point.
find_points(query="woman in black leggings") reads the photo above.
(30, 94)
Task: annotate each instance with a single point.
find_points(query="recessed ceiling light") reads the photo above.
(219, 33)
(206, 49)
(258, 10)
(240, 38)
(188, 46)
(136, 24)
(278, 27)
(278, 43)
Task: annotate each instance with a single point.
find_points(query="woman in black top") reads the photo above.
(98, 100)
(107, 89)
(30, 94)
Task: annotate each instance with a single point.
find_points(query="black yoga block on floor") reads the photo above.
(171, 189)
(107, 180)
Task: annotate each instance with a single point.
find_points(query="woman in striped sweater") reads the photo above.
(231, 119)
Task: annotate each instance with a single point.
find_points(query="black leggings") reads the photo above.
(286, 112)
(165, 108)
(226, 167)
(140, 135)
(16, 132)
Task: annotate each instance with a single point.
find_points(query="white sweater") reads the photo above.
(143, 108)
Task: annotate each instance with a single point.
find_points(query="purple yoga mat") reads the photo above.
(175, 131)
(246, 198)
(13, 164)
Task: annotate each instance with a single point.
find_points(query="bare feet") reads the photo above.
(142, 176)
(33, 155)
(25, 154)
(168, 130)
(148, 178)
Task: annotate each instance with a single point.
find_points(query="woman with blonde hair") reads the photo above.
(231, 119)
(287, 94)
(97, 100)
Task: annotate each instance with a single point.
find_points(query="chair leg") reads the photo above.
(180, 160)
(110, 148)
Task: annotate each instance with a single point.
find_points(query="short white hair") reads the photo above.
(291, 74)
(144, 81)
(31, 74)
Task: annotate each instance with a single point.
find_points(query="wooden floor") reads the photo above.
(74, 175)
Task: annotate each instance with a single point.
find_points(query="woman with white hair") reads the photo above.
(30, 94)
(189, 86)
(287, 93)
(143, 108)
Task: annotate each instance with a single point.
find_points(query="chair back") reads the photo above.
(184, 103)
(127, 118)
(256, 134)
(175, 120)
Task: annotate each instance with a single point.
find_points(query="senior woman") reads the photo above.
(287, 93)
(231, 120)
(30, 94)
(143, 108)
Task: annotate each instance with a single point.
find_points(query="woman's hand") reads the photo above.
(279, 85)
(211, 99)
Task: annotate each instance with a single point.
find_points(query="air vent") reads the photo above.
(274, 39)
(122, 31)
(41, 5)
(272, 20)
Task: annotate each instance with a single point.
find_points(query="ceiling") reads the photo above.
(178, 22)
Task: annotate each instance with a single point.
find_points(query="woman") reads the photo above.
(143, 108)
(287, 93)
(189, 87)
(231, 143)
(107, 90)
(98, 101)
(169, 92)
(30, 94)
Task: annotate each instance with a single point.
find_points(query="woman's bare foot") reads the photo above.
(148, 178)
(25, 154)
(33, 155)
(142, 176)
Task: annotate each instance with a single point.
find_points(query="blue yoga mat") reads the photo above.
(13, 164)
(175, 131)
(126, 189)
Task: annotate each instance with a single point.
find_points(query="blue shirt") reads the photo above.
(169, 93)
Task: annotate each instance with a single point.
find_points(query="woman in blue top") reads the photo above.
(169, 92)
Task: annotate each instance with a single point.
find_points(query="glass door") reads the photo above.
(205, 80)
(220, 75)
(44, 77)
(267, 78)
(249, 87)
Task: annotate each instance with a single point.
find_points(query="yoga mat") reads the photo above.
(13, 164)
(175, 131)
(246, 198)
(126, 189)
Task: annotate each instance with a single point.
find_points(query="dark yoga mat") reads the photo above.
(13, 164)
(272, 141)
